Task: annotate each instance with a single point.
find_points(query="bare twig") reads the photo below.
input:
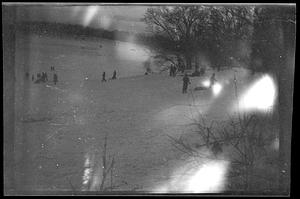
(72, 187)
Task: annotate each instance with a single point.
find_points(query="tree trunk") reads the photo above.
(188, 59)
(197, 64)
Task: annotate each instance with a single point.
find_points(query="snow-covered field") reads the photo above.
(64, 125)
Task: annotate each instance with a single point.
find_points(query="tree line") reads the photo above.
(71, 31)
(221, 32)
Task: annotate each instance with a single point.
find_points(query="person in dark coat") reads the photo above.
(148, 70)
(43, 77)
(27, 75)
(55, 78)
(32, 78)
(186, 82)
(174, 71)
(46, 76)
(202, 71)
(103, 77)
(114, 75)
(212, 80)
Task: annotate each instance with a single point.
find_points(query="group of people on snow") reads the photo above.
(186, 80)
(42, 77)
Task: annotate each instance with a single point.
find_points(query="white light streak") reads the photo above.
(206, 83)
(90, 14)
(275, 144)
(261, 96)
(216, 88)
(209, 178)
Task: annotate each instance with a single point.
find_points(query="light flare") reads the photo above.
(87, 175)
(206, 83)
(275, 144)
(90, 14)
(216, 88)
(261, 95)
(87, 171)
(209, 178)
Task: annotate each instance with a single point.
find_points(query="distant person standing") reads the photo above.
(27, 75)
(186, 82)
(114, 75)
(55, 78)
(38, 75)
(174, 71)
(212, 80)
(202, 71)
(46, 77)
(147, 67)
(43, 77)
(148, 70)
(180, 65)
(103, 77)
(32, 78)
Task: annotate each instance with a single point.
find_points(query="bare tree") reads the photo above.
(186, 30)
(227, 25)
(177, 26)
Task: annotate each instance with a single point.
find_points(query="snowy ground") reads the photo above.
(64, 125)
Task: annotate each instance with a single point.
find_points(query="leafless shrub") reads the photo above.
(246, 139)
